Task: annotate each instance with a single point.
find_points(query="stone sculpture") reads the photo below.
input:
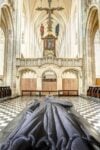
(48, 125)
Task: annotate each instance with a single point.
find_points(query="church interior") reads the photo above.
(50, 48)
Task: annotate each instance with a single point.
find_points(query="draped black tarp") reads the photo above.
(48, 125)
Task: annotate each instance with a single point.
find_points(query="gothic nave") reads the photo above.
(49, 48)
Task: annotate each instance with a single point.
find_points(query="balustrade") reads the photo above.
(63, 62)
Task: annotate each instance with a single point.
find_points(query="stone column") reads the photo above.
(59, 83)
(18, 17)
(99, 14)
(69, 38)
(83, 45)
(9, 57)
(13, 39)
(16, 43)
(0, 15)
(18, 83)
(80, 29)
(91, 60)
(39, 83)
(29, 38)
(80, 82)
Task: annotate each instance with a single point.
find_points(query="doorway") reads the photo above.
(49, 83)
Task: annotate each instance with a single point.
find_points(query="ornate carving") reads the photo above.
(61, 62)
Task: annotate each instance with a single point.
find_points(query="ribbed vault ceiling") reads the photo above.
(33, 20)
(41, 16)
(38, 17)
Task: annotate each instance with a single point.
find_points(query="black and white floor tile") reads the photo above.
(87, 109)
(10, 110)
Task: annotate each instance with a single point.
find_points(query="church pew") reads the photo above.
(93, 91)
(98, 93)
(1, 93)
(5, 91)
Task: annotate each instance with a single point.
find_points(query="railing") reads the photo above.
(64, 62)
(55, 93)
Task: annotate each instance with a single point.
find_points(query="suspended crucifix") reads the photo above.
(50, 39)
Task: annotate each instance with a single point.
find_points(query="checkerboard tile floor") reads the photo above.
(10, 109)
(89, 110)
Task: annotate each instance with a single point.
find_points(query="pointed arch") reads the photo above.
(91, 28)
(7, 27)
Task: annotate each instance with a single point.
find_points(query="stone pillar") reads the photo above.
(59, 83)
(91, 60)
(16, 43)
(12, 47)
(29, 38)
(18, 17)
(80, 82)
(69, 39)
(79, 29)
(9, 57)
(39, 83)
(83, 45)
(0, 15)
(99, 14)
(18, 84)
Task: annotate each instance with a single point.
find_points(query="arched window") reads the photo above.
(2, 47)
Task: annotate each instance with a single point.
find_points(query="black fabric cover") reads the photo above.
(48, 126)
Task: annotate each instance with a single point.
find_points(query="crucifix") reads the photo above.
(50, 11)
(49, 40)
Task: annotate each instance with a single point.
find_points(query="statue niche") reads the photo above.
(49, 45)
